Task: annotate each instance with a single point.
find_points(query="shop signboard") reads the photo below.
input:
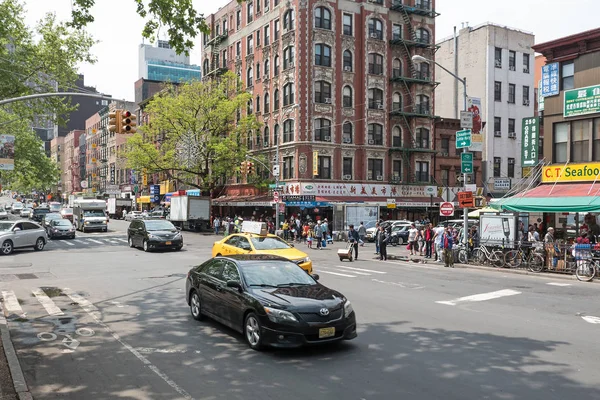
(588, 172)
(502, 184)
(474, 106)
(315, 163)
(497, 229)
(582, 101)
(540, 97)
(549, 85)
(355, 190)
(530, 141)
(7, 152)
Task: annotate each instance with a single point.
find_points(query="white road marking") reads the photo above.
(107, 240)
(558, 284)
(69, 243)
(114, 241)
(481, 297)
(361, 269)
(93, 311)
(80, 241)
(95, 241)
(402, 285)
(336, 273)
(591, 319)
(122, 240)
(11, 303)
(150, 350)
(47, 302)
(355, 272)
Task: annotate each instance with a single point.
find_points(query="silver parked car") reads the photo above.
(21, 234)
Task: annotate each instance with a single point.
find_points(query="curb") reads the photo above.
(14, 365)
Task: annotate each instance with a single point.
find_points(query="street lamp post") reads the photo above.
(276, 180)
(419, 59)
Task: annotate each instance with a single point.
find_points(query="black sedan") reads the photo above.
(61, 228)
(48, 218)
(39, 213)
(270, 300)
(154, 235)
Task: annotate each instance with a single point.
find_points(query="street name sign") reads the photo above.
(466, 163)
(463, 139)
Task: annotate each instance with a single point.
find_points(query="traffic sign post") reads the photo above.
(466, 119)
(275, 197)
(466, 163)
(446, 209)
(463, 139)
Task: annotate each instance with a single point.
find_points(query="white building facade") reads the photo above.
(162, 63)
(498, 64)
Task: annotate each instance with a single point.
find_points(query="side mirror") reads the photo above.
(178, 228)
(16, 229)
(291, 244)
(315, 276)
(234, 284)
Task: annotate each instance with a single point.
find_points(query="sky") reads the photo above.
(117, 29)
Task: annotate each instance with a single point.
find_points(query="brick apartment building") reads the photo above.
(337, 92)
(71, 180)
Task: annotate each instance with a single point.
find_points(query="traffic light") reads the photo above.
(114, 121)
(128, 123)
(249, 167)
(243, 167)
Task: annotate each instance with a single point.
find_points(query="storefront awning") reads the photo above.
(550, 198)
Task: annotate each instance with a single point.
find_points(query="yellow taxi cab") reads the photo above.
(260, 243)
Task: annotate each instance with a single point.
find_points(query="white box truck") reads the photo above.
(90, 215)
(190, 212)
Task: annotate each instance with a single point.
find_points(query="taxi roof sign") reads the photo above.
(258, 228)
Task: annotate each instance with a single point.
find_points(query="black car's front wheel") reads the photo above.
(130, 241)
(146, 246)
(196, 306)
(252, 332)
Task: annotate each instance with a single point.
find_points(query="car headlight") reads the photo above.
(280, 316)
(86, 222)
(151, 236)
(347, 309)
(177, 236)
(305, 260)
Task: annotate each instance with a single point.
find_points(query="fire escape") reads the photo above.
(216, 66)
(411, 80)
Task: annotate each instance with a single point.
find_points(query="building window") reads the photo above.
(205, 68)
(288, 130)
(267, 68)
(511, 167)
(396, 137)
(276, 66)
(498, 57)
(423, 71)
(288, 20)
(512, 60)
(375, 64)
(526, 95)
(375, 136)
(276, 100)
(422, 171)
(348, 28)
(567, 75)
(238, 49)
(511, 125)
(288, 167)
(396, 68)
(250, 13)
(276, 134)
(322, 18)
(258, 38)
(239, 19)
(423, 36)
(375, 169)
(497, 126)
(497, 166)
(580, 141)
(322, 55)
(497, 91)
(445, 178)
(267, 106)
(422, 138)
(347, 96)
(250, 107)
(397, 170)
(324, 168)
(276, 29)
(258, 6)
(347, 133)
(258, 104)
(322, 130)
(596, 148)
(266, 36)
(249, 45)
(347, 168)
(322, 92)
(525, 63)
(249, 77)
(257, 71)
(376, 99)
(347, 61)
(445, 147)
(422, 104)
(511, 93)
(288, 94)
(396, 32)
(375, 29)
(396, 102)
(288, 57)
(266, 5)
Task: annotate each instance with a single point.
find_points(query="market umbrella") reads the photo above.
(475, 214)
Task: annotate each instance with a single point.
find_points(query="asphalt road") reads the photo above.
(110, 322)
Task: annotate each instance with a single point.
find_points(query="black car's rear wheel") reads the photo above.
(252, 332)
(195, 306)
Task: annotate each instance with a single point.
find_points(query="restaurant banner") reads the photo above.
(582, 101)
(571, 173)
(354, 190)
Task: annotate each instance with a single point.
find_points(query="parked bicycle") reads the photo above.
(491, 256)
(533, 259)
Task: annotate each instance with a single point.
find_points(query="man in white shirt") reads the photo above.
(437, 239)
(412, 239)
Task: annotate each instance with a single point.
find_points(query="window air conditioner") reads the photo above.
(526, 70)
(347, 140)
(327, 138)
(512, 135)
(379, 177)
(374, 36)
(380, 106)
(238, 58)
(526, 103)
(328, 100)
(444, 154)
(371, 141)
(347, 68)
(498, 64)
(266, 143)
(512, 68)
(347, 177)
(498, 133)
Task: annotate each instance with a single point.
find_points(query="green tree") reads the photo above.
(182, 21)
(33, 169)
(196, 133)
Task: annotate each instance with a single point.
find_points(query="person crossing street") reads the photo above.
(353, 239)
(447, 242)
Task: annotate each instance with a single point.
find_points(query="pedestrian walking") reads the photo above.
(362, 232)
(375, 237)
(353, 239)
(412, 239)
(382, 241)
(217, 225)
(428, 240)
(319, 234)
(437, 240)
(447, 242)
(286, 230)
(421, 241)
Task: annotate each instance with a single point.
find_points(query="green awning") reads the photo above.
(574, 197)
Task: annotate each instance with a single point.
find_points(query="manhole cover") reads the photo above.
(26, 276)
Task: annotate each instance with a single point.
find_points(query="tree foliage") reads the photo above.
(182, 21)
(194, 134)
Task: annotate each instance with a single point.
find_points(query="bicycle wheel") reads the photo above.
(479, 256)
(463, 256)
(497, 258)
(512, 259)
(535, 263)
(585, 270)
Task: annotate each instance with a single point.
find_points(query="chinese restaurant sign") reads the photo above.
(354, 190)
(529, 141)
(550, 80)
(571, 173)
(582, 101)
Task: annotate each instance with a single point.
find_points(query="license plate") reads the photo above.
(168, 243)
(326, 332)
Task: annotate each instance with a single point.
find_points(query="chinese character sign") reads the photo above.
(582, 101)
(7, 152)
(550, 80)
(529, 142)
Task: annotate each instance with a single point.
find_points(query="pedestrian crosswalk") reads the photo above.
(84, 242)
(348, 272)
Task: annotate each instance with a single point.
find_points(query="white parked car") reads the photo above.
(21, 234)
(133, 215)
(16, 207)
(3, 214)
(26, 211)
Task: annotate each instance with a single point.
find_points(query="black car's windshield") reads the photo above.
(5, 226)
(94, 213)
(159, 226)
(41, 211)
(269, 243)
(275, 273)
(62, 222)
